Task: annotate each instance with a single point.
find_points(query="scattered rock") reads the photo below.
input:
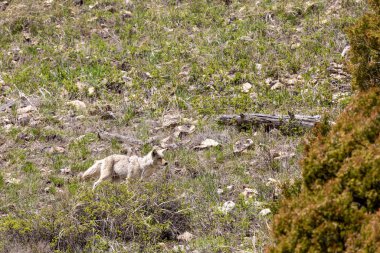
(79, 105)
(181, 248)
(277, 86)
(265, 212)
(65, 171)
(295, 45)
(55, 150)
(169, 143)
(78, 2)
(249, 193)
(128, 80)
(3, 5)
(259, 68)
(81, 85)
(26, 109)
(242, 145)
(91, 91)
(345, 51)
(227, 207)
(181, 130)
(282, 155)
(12, 180)
(126, 14)
(171, 120)
(219, 191)
(186, 237)
(147, 75)
(24, 119)
(7, 105)
(276, 185)
(339, 96)
(207, 144)
(47, 189)
(246, 87)
(230, 187)
(108, 115)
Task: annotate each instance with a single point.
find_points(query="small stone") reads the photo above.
(227, 207)
(345, 51)
(126, 14)
(12, 180)
(274, 153)
(242, 145)
(78, 2)
(278, 85)
(207, 143)
(249, 193)
(219, 191)
(180, 248)
(26, 109)
(24, 119)
(3, 5)
(265, 212)
(185, 129)
(295, 46)
(259, 68)
(186, 237)
(65, 171)
(246, 87)
(168, 142)
(47, 189)
(108, 115)
(230, 187)
(79, 105)
(171, 120)
(91, 91)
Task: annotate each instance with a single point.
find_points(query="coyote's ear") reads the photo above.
(154, 153)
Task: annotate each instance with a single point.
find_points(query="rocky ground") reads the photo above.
(81, 80)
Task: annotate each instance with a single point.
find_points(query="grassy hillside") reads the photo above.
(72, 69)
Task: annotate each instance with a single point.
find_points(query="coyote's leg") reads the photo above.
(106, 171)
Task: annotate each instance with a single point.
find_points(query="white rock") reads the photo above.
(227, 207)
(26, 109)
(265, 212)
(185, 129)
(186, 237)
(278, 85)
(168, 142)
(79, 105)
(249, 193)
(171, 120)
(81, 85)
(345, 51)
(91, 91)
(259, 68)
(219, 191)
(246, 87)
(66, 171)
(242, 145)
(12, 181)
(207, 143)
(180, 248)
(230, 187)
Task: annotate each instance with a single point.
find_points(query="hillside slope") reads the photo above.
(70, 70)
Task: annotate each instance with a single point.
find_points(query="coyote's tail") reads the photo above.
(93, 170)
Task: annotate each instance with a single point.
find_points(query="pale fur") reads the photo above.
(125, 166)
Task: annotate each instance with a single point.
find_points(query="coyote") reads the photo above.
(125, 166)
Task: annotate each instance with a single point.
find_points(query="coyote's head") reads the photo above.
(158, 157)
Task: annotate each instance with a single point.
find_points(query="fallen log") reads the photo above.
(269, 120)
